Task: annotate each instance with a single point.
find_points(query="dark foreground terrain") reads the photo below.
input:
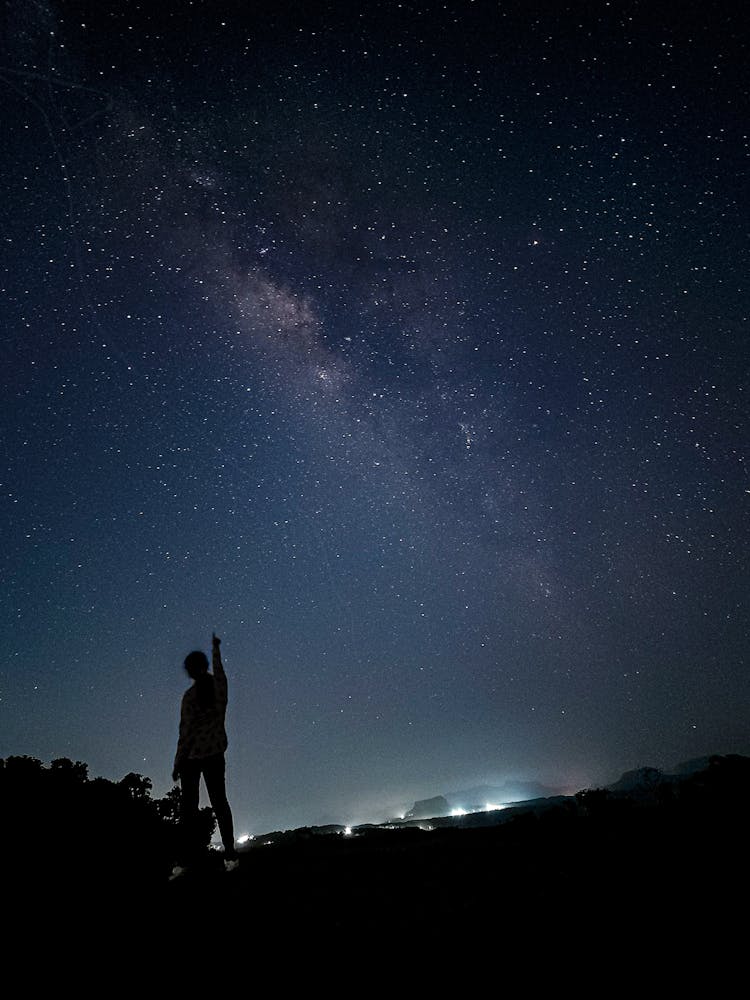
(678, 863)
(667, 857)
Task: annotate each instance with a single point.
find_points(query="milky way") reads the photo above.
(404, 346)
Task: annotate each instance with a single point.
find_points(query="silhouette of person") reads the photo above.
(200, 751)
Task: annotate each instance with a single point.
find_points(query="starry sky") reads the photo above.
(402, 344)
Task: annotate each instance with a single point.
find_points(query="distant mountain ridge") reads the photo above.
(510, 791)
(427, 808)
(479, 798)
(644, 778)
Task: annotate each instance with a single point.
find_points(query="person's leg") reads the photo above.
(213, 773)
(190, 776)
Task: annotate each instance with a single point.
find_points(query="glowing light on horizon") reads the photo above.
(245, 838)
(347, 831)
(458, 812)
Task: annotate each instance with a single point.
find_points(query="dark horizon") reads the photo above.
(403, 347)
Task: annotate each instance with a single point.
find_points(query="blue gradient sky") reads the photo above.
(402, 345)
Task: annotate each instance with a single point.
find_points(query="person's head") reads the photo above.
(196, 664)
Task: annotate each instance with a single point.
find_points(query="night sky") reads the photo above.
(403, 344)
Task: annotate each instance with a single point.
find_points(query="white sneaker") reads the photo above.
(231, 864)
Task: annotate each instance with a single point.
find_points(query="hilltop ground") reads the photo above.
(671, 857)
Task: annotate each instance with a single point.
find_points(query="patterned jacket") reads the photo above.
(202, 732)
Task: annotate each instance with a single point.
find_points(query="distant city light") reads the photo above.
(458, 812)
(492, 807)
(347, 831)
(245, 838)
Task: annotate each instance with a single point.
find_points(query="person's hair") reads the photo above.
(196, 664)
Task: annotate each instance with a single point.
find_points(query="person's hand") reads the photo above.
(215, 640)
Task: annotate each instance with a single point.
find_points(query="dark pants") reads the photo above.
(212, 769)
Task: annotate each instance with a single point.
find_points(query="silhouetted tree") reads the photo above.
(137, 786)
(83, 824)
(23, 768)
(168, 807)
(68, 770)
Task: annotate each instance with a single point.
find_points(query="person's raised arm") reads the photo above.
(216, 664)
